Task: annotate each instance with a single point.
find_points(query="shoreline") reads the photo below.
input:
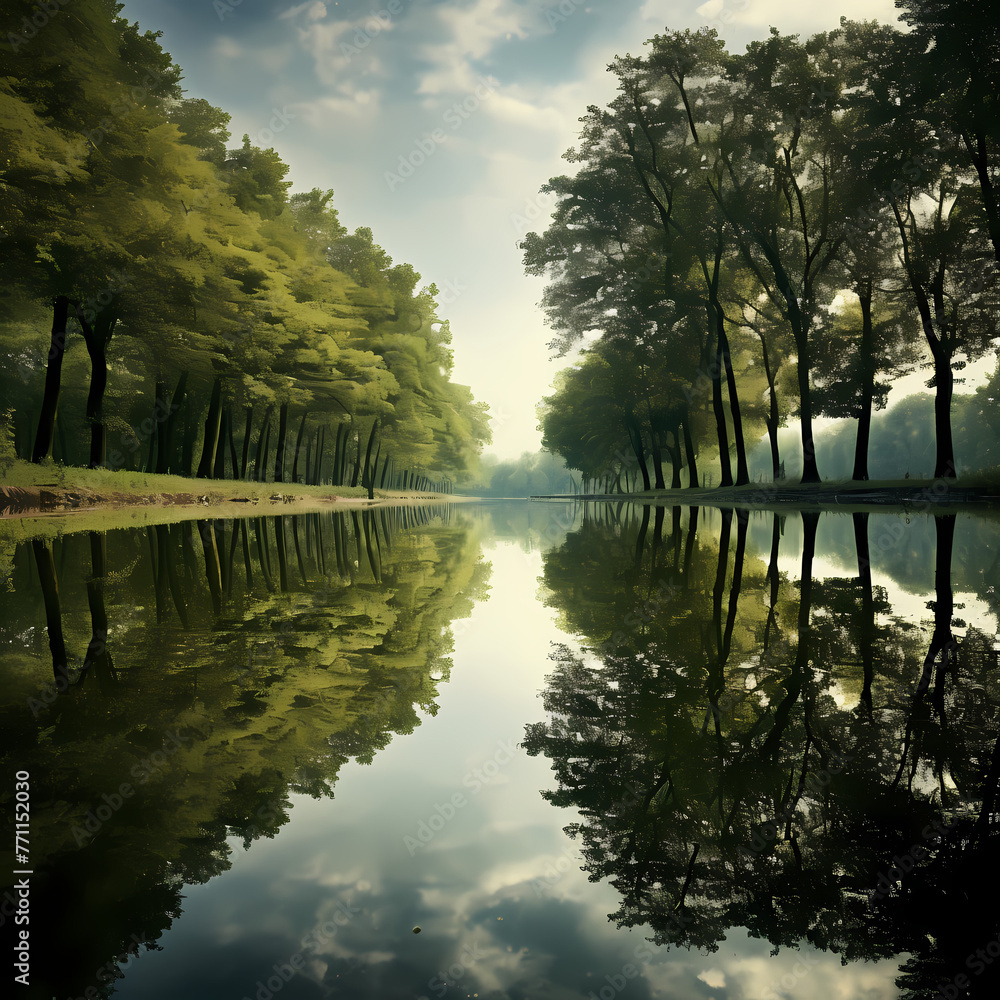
(41, 501)
(846, 496)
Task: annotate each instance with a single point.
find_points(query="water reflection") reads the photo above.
(766, 731)
(789, 756)
(203, 674)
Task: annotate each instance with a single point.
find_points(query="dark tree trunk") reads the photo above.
(720, 417)
(53, 374)
(187, 448)
(166, 458)
(742, 473)
(338, 456)
(367, 477)
(320, 456)
(657, 452)
(260, 456)
(675, 459)
(219, 471)
(233, 457)
(247, 431)
(279, 451)
(298, 449)
(689, 451)
(161, 410)
(213, 423)
(262, 472)
(97, 338)
(944, 465)
(635, 438)
(867, 384)
(772, 416)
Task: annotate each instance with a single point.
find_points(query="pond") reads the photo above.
(506, 750)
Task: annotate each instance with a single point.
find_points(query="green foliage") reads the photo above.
(194, 277)
(725, 208)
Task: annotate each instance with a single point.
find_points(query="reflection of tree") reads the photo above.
(825, 760)
(223, 699)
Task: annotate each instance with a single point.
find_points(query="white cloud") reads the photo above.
(227, 48)
(473, 31)
(713, 977)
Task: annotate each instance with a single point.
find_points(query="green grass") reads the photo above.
(50, 474)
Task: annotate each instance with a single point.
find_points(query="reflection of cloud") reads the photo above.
(714, 978)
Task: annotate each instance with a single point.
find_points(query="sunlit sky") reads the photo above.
(484, 96)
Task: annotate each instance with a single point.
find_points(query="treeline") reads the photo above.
(204, 321)
(537, 473)
(900, 446)
(777, 234)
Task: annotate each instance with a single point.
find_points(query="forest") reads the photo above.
(205, 320)
(773, 236)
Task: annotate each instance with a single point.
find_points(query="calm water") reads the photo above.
(596, 752)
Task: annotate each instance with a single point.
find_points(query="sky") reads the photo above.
(436, 122)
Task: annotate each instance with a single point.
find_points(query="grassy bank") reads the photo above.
(47, 499)
(845, 495)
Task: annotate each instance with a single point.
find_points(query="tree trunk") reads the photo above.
(720, 417)
(279, 451)
(247, 430)
(366, 479)
(166, 458)
(675, 460)
(944, 465)
(689, 451)
(233, 459)
(53, 374)
(97, 338)
(262, 472)
(742, 473)
(635, 438)
(260, 456)
(657, 452)
(810, 470)
(867, 384)
(219, 470)
(213, 423)
(298, 448)
(772, 417)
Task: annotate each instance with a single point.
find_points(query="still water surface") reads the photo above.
(263, 752)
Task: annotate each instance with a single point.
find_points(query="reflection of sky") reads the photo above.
(504, 910)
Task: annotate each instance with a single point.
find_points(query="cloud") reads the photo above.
(227, 48)
(473, 31)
